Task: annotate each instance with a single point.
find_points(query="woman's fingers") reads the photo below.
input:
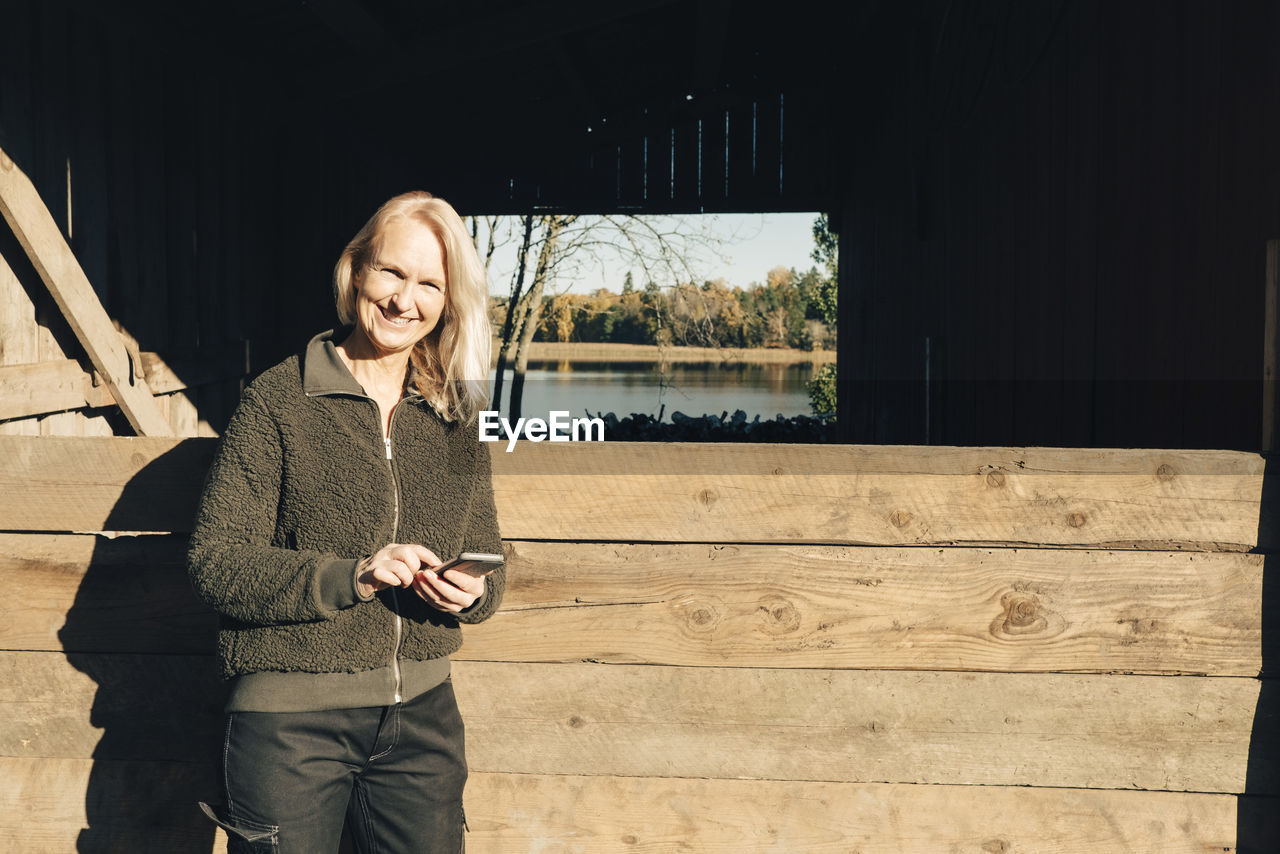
(394, 573)
(414, 556)
(444, 595)
(405, 564)
(426, 558)
(473, 584)
(383, 570)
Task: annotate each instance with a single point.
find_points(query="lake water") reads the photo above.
(624, 388)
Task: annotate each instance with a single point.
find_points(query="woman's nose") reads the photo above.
(400, 297)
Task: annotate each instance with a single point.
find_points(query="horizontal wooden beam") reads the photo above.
(1109, 732)
(623, 815)
(1178, 733)
(61, 272)
(639, 492)
(879, 495)
(1006, 610)
(44, 387)
(58, 805)
(52, 483)
(848, 607)
(128, 594)
(169, 373)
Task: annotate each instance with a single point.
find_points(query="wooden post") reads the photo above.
(36, 230)
(1269, 347)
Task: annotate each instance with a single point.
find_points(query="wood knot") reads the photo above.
(1076, 519)
(780, 616)
(576, 722)
(703, 616)
(1165, 472)
(707, 497)
(995, 479)
(779, 470)
(1139, 627)
(900, 518)
(996, 846)
(137, 460)
(1022, 615)
(630, 839)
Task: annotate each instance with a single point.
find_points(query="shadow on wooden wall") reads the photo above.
(137, 631)
(1258, 812)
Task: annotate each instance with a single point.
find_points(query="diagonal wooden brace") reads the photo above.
(57, 265)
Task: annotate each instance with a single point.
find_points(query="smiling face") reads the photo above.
(400, 295)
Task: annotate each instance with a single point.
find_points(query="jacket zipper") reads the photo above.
(395, 537)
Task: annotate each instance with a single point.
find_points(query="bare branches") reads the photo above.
(667, 250)
(493, 227)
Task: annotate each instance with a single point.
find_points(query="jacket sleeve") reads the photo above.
(482, 536)
(231, 561)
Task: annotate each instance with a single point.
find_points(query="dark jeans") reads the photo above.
(394, 773)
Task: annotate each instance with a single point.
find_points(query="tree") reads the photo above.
(822, 391)
(560, 313)
(517, 309)
(552, 227)
(492, 241)
(822, 388)
(662, 247)
(825, 252)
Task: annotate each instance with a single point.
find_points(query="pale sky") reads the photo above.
(753, 244)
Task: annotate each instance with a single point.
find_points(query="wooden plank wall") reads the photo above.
(714, 648)
(135, 154)
(1070, 202)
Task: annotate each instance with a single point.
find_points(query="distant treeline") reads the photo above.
(639, 427)
(786, 311)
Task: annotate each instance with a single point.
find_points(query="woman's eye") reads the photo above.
(393, 271)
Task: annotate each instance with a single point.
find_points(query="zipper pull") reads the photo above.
(386, 440)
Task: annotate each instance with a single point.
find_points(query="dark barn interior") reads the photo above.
(1052, 215)
(1059, 225)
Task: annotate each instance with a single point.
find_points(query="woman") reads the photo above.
(344, 475)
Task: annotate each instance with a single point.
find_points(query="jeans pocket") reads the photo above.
(243, 836)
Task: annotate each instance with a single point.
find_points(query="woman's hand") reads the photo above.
(452, 591)
(395, 565)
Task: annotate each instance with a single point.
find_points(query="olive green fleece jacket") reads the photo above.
(301, 489)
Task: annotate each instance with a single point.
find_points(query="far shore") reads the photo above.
(555, 351)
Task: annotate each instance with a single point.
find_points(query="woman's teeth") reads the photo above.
(395, 321)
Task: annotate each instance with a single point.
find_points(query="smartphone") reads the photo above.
(472, 563)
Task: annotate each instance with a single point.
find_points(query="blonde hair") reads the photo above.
(450, 366)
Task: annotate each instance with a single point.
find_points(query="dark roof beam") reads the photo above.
(713, 31)
(484, 37)
(362, 31)
(530, 25)
(464, 44)
(574, 86)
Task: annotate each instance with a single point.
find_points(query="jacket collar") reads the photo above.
(323, 371)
